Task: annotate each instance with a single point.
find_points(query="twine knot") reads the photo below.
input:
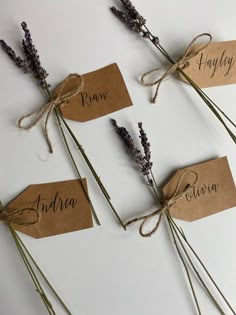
(166, 205)
(181, 63)
(48, 108)
(14, 216)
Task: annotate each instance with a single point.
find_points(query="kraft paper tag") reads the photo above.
(63, 207)
(104, 92)
(214, 192)
(214, 66)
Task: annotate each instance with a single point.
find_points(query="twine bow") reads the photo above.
(166, 206)
(181, 63)
(47, 108)
(13, 216)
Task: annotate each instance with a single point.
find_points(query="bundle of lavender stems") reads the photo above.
(32, 65)
(137, 23)
(191, 262)
(36, 273)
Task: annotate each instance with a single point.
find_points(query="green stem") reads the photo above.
(107, 197)
(44, 277)
(194, 268)
(155, 193)
(171, 221)
(186, 268)
(32, 274)
(197, 89)
(22, 250)
(86, 159)
(202, 264)
(159, 191)
(58, 117)
(76, 168)
(80, 148)
(182, 260)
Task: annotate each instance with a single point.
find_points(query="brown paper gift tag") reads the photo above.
(215, 65)
(104, 92)
(214, 192)
(63, 207)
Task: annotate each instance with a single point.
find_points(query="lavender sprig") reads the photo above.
(124, 17)
(32, 65)
(30, 263)
(183, 247)
(137, 23)
(131, 18)
(18, 61)
(132, 11)
(146, 145)
(143, 162)
(32, 57)
(32, 62)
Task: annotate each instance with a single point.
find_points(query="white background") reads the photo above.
(104, 270)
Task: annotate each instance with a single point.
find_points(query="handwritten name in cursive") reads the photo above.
(91, 99)
(198, 192)
(56, 204)
(223, 61)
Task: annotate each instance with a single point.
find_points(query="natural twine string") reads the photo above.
(47, 108)
(12, 216)
(166, 206)
(181, 63)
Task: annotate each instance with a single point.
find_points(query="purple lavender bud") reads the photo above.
(133, 13)
(32, 63)
(155, 40)
(18, 61)
(144, 141)
(145, 35)
(121, 15)
(125, 17)
(126, 137)
(146, 145)
(143, 162)
(33, 58)
(131, 18)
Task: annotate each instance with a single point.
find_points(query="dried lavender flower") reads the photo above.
(143, 162)
(130, 17)
(133, 13)
(33, 58)
(155, 40)
(136, 22)
(129, 142)
(146, 145)
(32, 63)
(124, 17)
(18, 61)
